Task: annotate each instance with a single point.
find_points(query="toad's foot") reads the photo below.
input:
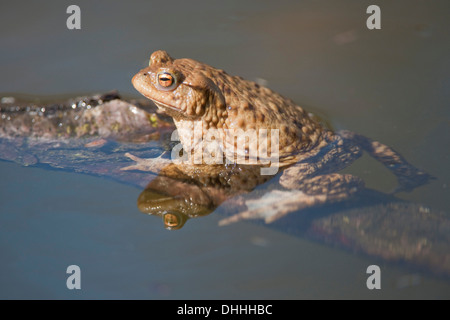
(315, 191)
(154, 165)
(408, 176)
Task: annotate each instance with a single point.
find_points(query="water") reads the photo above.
(391, 85)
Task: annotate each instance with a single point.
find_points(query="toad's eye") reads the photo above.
(166, 80)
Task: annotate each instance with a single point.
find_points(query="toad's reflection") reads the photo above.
(177, 197)
(174, 211)
(174, 201)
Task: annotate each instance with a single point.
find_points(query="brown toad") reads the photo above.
(310, 154)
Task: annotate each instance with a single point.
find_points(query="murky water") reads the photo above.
(390, 84)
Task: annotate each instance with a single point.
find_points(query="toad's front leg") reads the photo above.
(304, 193)
(154, 165)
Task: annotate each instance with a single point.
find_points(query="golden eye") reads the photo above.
(165, 80)
(170, 220)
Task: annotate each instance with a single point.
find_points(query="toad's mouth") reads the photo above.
(162, 105)
(172, 111)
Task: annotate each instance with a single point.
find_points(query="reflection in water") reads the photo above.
(174, 211)
(373, 223)
(177, 197)
(174, 205)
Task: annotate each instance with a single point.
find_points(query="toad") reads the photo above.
(308, 153)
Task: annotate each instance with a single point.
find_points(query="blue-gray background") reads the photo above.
(390, 84)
